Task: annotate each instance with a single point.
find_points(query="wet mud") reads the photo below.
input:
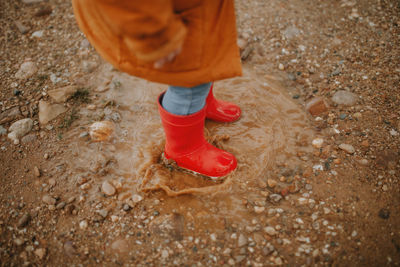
(267, 140)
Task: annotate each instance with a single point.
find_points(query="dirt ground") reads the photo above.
(318, 146)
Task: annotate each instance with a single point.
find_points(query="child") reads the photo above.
(186, 44)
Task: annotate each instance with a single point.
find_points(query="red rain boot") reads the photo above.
(221, 111)
(186, 145)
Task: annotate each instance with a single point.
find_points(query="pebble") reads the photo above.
(24, 220)
(29, 138)
(164, 254)
(18, 241)
(103, 213)
(21, 27)
(271, 183)
(108, 189)
(275, 198)
(101, 130)
(270, 230)
(10, 115)
(347, 148)
(316, 106)
(40, 253)
(242, 240)
(48, 112)
(26, 70)
(49, 200)
(37, 34)
(83, 224)
(36, 171)
(317, 142)
(60, 205)
(3, 130)
(20, 128)
(281, 66)
(385, 188)
(136, 198)
(278, 261)
(363, 162)
(114, 218)
(343, 97)
(60, 95)
(258, 209)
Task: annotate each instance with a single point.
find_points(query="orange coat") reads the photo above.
(132, 34)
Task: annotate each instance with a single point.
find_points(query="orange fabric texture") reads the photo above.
(132, 34)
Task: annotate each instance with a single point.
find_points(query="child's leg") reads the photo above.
(185, 101)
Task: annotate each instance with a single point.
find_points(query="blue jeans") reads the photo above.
(185, 100)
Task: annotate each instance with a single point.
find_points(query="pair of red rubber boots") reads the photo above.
(185, 143)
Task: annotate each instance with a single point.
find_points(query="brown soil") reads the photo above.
(288, 203)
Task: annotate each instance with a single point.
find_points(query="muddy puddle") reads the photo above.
(267, 140)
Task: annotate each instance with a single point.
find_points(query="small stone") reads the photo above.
(126, 207)
(101, 130)
(88, 66)
(275, 198)
(343, 97)
(21, 27)
(278, 261)
(40, 253)
(270, 230)
(347, 148)
(20, 128)
(83, 224)
(136, 198)
(342, 116)
(108, 189)
(60, 205)
(49, 200)
(326, 210)
(302, 201)
(103, 213)
(37, 34)
(317, 142)
(385, 188)
(81, 180)
(259, 209)
(60, 95)
(363, 162)
(69, 249)
(239, 258)
(18, 241)
(3, 130)
(86, 186)
(281, 66)
(316, 106)
(114, 218)
(24, 220)
(271, 183)
(29, 138)
(36, 171)
(43, 11)
(164, 254)
(242, 240)
(354, 233)
(10, 115)
(48, 112)
(26, 70)
(213, 237)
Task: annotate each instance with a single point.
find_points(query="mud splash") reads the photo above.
(269, 136)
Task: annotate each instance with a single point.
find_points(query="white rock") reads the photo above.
(164, 254)
(270, 230)
(37, 34)
(26, 70)
(20, 128)
(48, 112)
(108, 189)
(347, 148)
(327, 210)
(259, 209)
(343, 97)
(302, 201)
(83, 224)
(393, 132)
(136, 198)
(317, 142)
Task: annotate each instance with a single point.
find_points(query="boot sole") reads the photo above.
(170, 163)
